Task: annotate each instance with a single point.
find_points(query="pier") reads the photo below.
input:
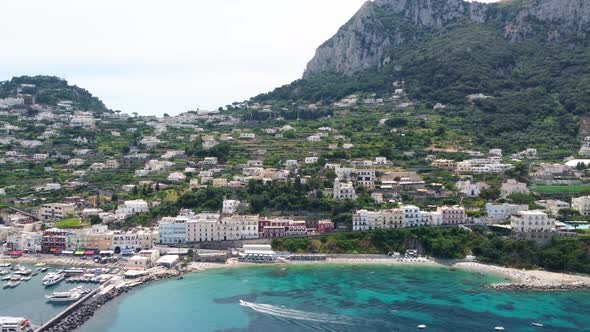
(55, 320)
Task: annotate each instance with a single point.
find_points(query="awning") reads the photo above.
(16, 253)
(107, 252)
(52, 249)
(79, 252)
(67, 252)
(89, 252)
(127, 252)
(58, 251)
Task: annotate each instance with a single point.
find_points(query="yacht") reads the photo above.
(16, 324)
(5, 265)
(72, 295)
(4, 272)
(52, 278)
(499, 328)
(23, 272)
(6, 278)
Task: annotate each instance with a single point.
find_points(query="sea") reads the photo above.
(28, 298)
(337, 298)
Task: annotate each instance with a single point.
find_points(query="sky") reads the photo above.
(154, 57)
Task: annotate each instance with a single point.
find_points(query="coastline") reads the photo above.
(516, 279)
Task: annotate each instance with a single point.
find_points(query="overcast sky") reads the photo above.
(155, 57)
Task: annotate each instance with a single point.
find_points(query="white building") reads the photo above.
(176, 177)
(503, 211)
(311, 160)
(531, 221)
(130, 208)
(406, 216)
(582, 205)
(83, 120)
(470, 189)
(511, 186)
(56, 211)
(344, 191)
(230, 206)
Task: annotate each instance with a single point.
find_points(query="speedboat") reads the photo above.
(15, 278)
(499, 328)
(4, 272)
(43, 269)
(17, 324)
(421, 326)
(23, 272)
(6, 278)
(52, 278)
(5, 265)
(537, 325)
(25, 278)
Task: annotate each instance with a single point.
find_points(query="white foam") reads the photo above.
(296, 314)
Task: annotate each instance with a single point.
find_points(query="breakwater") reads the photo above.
(77, 314)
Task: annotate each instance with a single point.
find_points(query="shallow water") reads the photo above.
(338, 298)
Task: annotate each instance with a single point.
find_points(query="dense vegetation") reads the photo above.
(563, 254)
(50, 90)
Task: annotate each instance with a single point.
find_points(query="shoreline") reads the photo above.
(516, 279)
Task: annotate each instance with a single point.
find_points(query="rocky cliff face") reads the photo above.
(379, 26)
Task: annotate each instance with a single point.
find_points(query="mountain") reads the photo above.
(50, 90)
(531, 58)
(370, 38)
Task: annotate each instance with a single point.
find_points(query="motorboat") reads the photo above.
(4, 272)
(17, 324)
(43, 269)
(5, 265)
(72, 295)
(537, 325)
(11, 284)
(6, 278)
(40, 264)
(421, 327)
(499, 328)
(52, 278)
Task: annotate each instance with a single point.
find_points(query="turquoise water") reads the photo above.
(27, 299)
(338, 298)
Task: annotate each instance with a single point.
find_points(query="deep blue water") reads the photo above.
(338, 298)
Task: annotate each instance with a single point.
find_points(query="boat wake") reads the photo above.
(296, 314)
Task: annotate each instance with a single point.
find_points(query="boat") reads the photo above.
(40, 264)
(499, 328)
(23, 272)
(25, 278)
(52, 278)
(15, 278)
(72, 295)
(421, 327)
(537, 325)
(5, 265)
(4, 272)
(43, 269)
(17, 324)
(11, 284)
(6, 278)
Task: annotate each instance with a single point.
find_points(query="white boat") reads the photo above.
(499, 328)
(25, 278)
(5, 265)
(6, 278)
(40, 264)
(52, 278)
(537, 325)
(11, 284)
(43, 269)
(72, 295)
(15, 278)
(17, 324)
(23, 272)
(421, 326)
(4, 272)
